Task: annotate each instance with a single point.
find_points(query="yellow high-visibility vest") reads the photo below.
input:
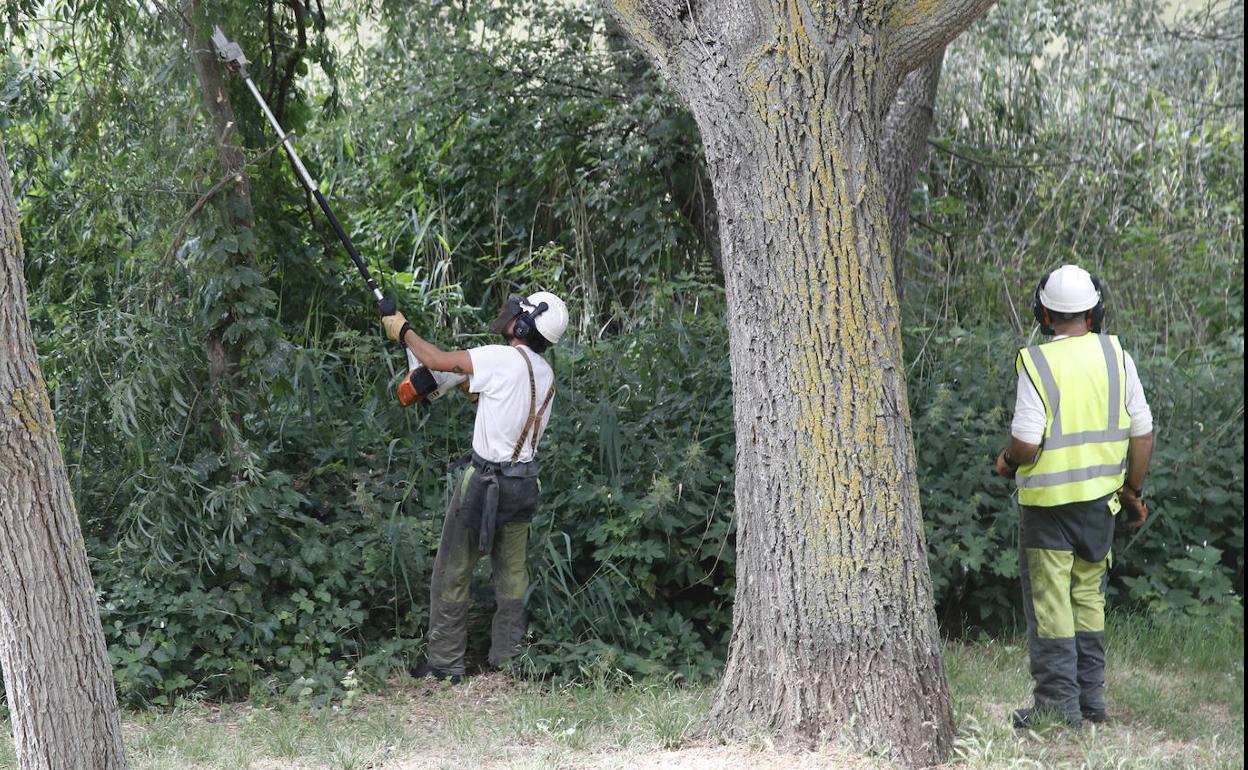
(1083, 456)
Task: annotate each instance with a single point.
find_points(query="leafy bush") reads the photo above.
(634, 548)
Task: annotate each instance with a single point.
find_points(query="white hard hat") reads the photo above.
(552, 321)
(1069, 289)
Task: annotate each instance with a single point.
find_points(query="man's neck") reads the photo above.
(1072, 329)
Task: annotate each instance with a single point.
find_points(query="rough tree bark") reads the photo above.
(57, 674)
(223, 358)
(903, 144)
(834, 633)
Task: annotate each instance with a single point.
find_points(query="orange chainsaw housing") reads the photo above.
(407, 392)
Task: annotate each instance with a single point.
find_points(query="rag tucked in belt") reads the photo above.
(489, 472)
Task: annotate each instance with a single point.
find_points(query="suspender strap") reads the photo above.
(535, 415)
(537, 420)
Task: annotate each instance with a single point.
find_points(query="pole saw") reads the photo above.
(420, 383)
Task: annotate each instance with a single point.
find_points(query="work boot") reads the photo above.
(426, 671)
(1095, 716)
(514, 668)
(1041, 716)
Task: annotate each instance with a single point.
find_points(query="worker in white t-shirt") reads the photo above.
(493, 499)
(1079, 449)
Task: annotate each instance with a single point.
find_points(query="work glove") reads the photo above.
(396, 325)
(1135, 507)
(1004, 468)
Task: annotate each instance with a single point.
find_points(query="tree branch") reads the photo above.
(301, 48)
(903, 142)
(654, 26)
(918, 29)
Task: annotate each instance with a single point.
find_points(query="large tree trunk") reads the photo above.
(56, 668)
(902, 147)
(834, 632)
(832, 582)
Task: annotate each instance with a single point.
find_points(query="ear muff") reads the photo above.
(526, 322)
(1096, 316)
(1038, 310)
(524, 326)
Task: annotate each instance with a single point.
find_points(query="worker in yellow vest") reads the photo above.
(1079, 449)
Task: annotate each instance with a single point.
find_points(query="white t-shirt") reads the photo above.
(501, 380)
(1029, 415)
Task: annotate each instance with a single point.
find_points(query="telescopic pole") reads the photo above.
(231, 54)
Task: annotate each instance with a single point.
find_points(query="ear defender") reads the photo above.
(525, 322)
(1096, 316)
(523, 327)
(1038, 310)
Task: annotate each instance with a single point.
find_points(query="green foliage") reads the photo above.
(1098, 133)
(635, 554)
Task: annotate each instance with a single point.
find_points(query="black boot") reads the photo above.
(1096, 716)
(1042, 716)
(426, 671)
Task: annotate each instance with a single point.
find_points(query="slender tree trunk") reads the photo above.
(902, 148)
(57, 674)
(223, 358)
(702, 211)
(834, 631)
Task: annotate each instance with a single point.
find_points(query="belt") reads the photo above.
(526, 470)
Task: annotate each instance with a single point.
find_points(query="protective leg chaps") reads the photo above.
(511, 582)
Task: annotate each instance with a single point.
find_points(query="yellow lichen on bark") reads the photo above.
(29, 406)
(916, 11)
(819, 201)
(638, 26)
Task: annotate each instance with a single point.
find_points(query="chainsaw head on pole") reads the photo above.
(228, 52)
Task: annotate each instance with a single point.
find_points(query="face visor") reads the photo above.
(513, 307)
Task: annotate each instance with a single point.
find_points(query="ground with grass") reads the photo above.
(1176, 689)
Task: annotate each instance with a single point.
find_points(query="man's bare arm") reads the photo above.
(1018, 452)
(1139, 453)
(454, 361)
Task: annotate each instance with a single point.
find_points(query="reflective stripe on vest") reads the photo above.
(1084, 452)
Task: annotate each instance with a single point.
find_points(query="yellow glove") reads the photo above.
(395, 325)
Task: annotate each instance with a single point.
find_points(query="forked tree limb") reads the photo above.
(919, 29)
